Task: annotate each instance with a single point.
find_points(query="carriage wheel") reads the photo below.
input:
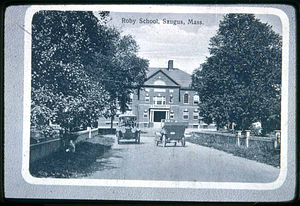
(164, 140)
(183, 141)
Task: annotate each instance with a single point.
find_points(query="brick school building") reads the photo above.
(166, 94)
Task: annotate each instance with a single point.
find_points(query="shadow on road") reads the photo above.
(113, 153)
(172, 145)
(100, 165)
(106, 161)
(127, 142)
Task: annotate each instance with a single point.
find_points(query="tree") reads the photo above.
(241, 80)
(121, 72)
(79, 66)
(63, 45)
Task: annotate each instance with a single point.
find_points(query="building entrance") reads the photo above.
(159, 115)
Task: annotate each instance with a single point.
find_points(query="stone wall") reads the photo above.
(43, 149)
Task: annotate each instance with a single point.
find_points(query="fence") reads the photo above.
(239, 140)
(86, 134)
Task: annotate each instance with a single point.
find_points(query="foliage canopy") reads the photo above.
(240, 81)
(79, 66)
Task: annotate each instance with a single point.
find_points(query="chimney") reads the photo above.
(170, 64)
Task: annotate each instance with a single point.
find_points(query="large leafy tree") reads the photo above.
(241, 80)
(121, 72)
(63, 44)
(73, 54)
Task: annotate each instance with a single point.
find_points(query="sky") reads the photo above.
(185, 44)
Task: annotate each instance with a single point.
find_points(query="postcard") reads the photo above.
(150, 102)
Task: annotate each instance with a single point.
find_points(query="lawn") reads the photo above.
(257, 151)
(63, 164)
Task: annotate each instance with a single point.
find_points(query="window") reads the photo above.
(147, 98)
(159, 90)
(171, 114)
(186, 98)
(145, 113)
(171, 90)
(185, 114)
(196, 99)
(195, 126)
(159, 100)
(171, 99)
(195, 114)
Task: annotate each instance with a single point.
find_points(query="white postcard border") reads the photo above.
(145, 183)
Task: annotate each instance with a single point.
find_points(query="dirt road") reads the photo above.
(146, 161)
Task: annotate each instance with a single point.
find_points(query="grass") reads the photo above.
(63, 164)
(258, 151)
(101, 139)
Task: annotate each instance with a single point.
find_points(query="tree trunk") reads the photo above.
(111, 124)
(90, 123)
(264, 127)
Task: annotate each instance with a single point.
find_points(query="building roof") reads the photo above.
(179, 76)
